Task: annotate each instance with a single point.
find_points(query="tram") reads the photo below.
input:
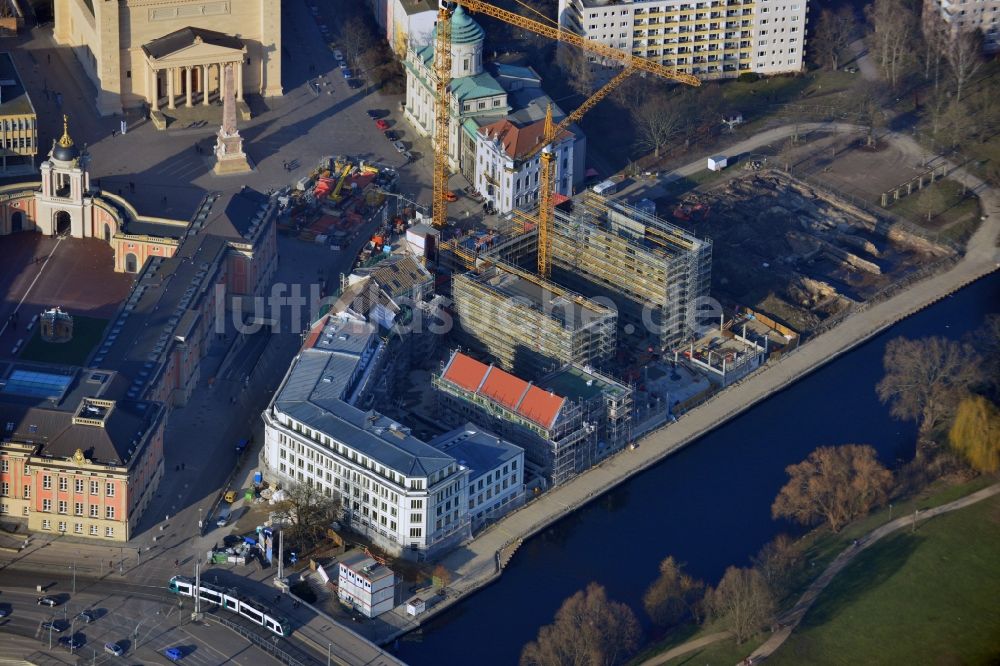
(253, 610)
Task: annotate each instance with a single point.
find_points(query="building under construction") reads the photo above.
(529, 325)
(654, 272)
(563, 433)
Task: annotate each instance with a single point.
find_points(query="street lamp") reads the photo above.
(73, 567)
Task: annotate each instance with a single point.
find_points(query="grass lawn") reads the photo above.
(723, 653)
(948, 204)
(928, 597)
(87, 333)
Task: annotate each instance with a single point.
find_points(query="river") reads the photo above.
(708, 505)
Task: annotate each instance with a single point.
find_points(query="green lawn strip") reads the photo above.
(87, 332)
(923, 597)
(947, 202)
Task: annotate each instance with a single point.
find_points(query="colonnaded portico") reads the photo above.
(185, 68)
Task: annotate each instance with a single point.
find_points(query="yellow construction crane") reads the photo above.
(442, 70)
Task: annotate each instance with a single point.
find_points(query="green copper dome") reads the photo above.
(464, 29)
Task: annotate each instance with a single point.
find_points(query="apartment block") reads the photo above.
(958, 16)
(711, 39)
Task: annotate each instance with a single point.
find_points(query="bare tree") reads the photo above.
(835, 484)
(925, 379)
(356, 38)
(575, 66)
(832, 35)
(964, 56)
(674, 596)
(893, 31)
(935, 44)
(589, 630)
(775, 561)
(659, 120)
(743, 602)
(308, 512)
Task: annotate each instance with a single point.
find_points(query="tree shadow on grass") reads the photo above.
(868, 570)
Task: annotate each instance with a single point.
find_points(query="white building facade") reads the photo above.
(496, 476)
(389, 482)
(710, 39)
(505, 177)
(474, 92)
(958, 16)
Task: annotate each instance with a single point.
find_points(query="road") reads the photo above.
(142, 620)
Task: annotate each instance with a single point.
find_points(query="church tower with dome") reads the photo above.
(63, 205)
(476, 98)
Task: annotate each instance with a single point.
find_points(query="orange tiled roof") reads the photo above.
(518, 141)
(515, 394)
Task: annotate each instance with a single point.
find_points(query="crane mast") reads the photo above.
(442, 70)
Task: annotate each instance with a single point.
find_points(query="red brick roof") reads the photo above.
(515, 394)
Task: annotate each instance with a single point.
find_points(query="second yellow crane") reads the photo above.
(442, 71)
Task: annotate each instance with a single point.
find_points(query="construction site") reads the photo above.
(797, 253)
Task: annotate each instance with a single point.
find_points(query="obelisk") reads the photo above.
(229, 155)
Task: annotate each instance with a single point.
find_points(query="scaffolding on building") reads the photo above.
(655, 272)
(530, 325)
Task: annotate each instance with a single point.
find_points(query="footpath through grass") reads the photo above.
(926, 597)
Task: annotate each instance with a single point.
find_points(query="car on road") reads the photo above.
(4, 612)
(173, 654)
(381, 124)
(230, 496)
(392, 136)
(114, 648)
(53, 626)
(338, 55)
(48, 601)
(71, 642)
(342, 64)
(398, 145)
(86, 616)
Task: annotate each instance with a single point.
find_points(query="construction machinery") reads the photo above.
(442, 70)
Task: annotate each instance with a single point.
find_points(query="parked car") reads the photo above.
(381, 124)
(4, 612)
(372, 113)
(337, 55)
(71, 642)
(173, 654)
(86, 617)
(392, 136)
(450, 196)
(114, 648)
(346, 72)
(398, 145)
(53, 627)
(48, 601)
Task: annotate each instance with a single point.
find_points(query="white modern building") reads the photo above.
(496, 471)
(508, 164)
(366, 585)
(406, 496)
(711, 39)
(959, 16)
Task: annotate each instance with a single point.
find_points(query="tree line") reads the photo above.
(951, 389)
